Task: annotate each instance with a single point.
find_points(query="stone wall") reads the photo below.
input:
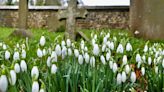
(108, 17)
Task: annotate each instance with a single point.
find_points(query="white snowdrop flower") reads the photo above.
(7, 55)
(111, 64)
(115, 67)
(136, 32)
(12, 78)
(92, 61)
(115, 38)
(23, 54)
(17, 68)
(1, 44)
(49, 61)
(44, 52)
(95, 37)
(53, 69)
(156, 69)
(64, 52)
(96, 50)
(4, 47)
(144, 58)
(63, 43)
(103, 48)
(102, 58)
(69, 51)
(108, 44)
(123, 76)
(129, 47)
(42, 90)
(124, 60)
(54, 57)
(138, 58)
(139, 64)
(93, 42)
(35, 72)
(127, 69)
(85, 49)
(17, 45)
(35, 86)
(42, 41)
(68, 43)
(82, 44)
(119, 79)
(112, 45)
(80, 59)
(23, 66)
(49, 50)
(133, 77)
(149, 60)
(3, 83)
(108, 35)
(23, 46)
(120, 48)
(16, 56)
(143, 71)
(39, 53)
(86, 57)
(163, 63)
(108, 55)
(76, 52)
(146, 48)
(58, 50)
(105, 39)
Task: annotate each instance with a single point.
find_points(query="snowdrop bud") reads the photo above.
(17, 68)
(23, 54)
(3, 83)
(7, 55)
(108, 55)
(112, 45)
(76, 52)
(69, 51)
(92, 61)
(23, 46)
(138, 58)
(44, 52)
(82, 45)
(95, 36)
(111, 64)
(68, 42)
(41, 90)
(64, 52)
(80, 59)
(16, 56)
(120, 48)
(129, 47)
(133, 77)
(96, 49)
(35, 72)
(146, 48)
(39, 53)
(103, 48)
(163, 63)
(4, 47)
(115, 68)
(23, 66)
(123, 76)
(149, 60)
(86, 57)
(63, 43)
(127, 69)
(124, 60)
(93, 42)
(143, 71)
(156, 69)
(85, 49)
(17, 45)
(119, 79)
(102, 58)
(42, 41)
(58, 50)
(144, 58)
(54, 56)
(108, 35)
(12, 78)
(35, 86)
(49, 61)
(54, 69)
(105, 39)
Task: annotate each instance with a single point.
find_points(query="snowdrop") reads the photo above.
(23, 66)
(92, 61)
(16, 56)
(63, 43)
(156, 69)
(54, 57)
(95, 37)
(68, 42)
(111, 45)
(17, 68)
(143, 71)
(133, 77)
(103, 48)
(138, 58)
(12, 78)
(123, 76)
(105, 39)
(80, 59)
(58, 50)
(7, 55)
(111, 64)
(42, 41)
(86, 57)
(146, 48)
(149, 60)
(35, 72)
(119, 79)
(120, 48)
(124, 60)
(96, 50)
(76, 52)
(3, 83)
(93, 42)
(102, 58)
(69, 51)
(144, 58)
(44, 52)
(4, 47)
(108, 55)
(53, 69)
(39, 53)
(85, 48)
(82, 45)
(129, 47)
(41, 90)
(49, 61)
(115, 67)
(23, 54)
(64, 52)
(127, 69)
(163, 63)
(35, 86)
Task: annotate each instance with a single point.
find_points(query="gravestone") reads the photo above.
(146, 19)
(70, 14)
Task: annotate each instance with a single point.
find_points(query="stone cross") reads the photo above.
(146, 19)
(70, 14)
